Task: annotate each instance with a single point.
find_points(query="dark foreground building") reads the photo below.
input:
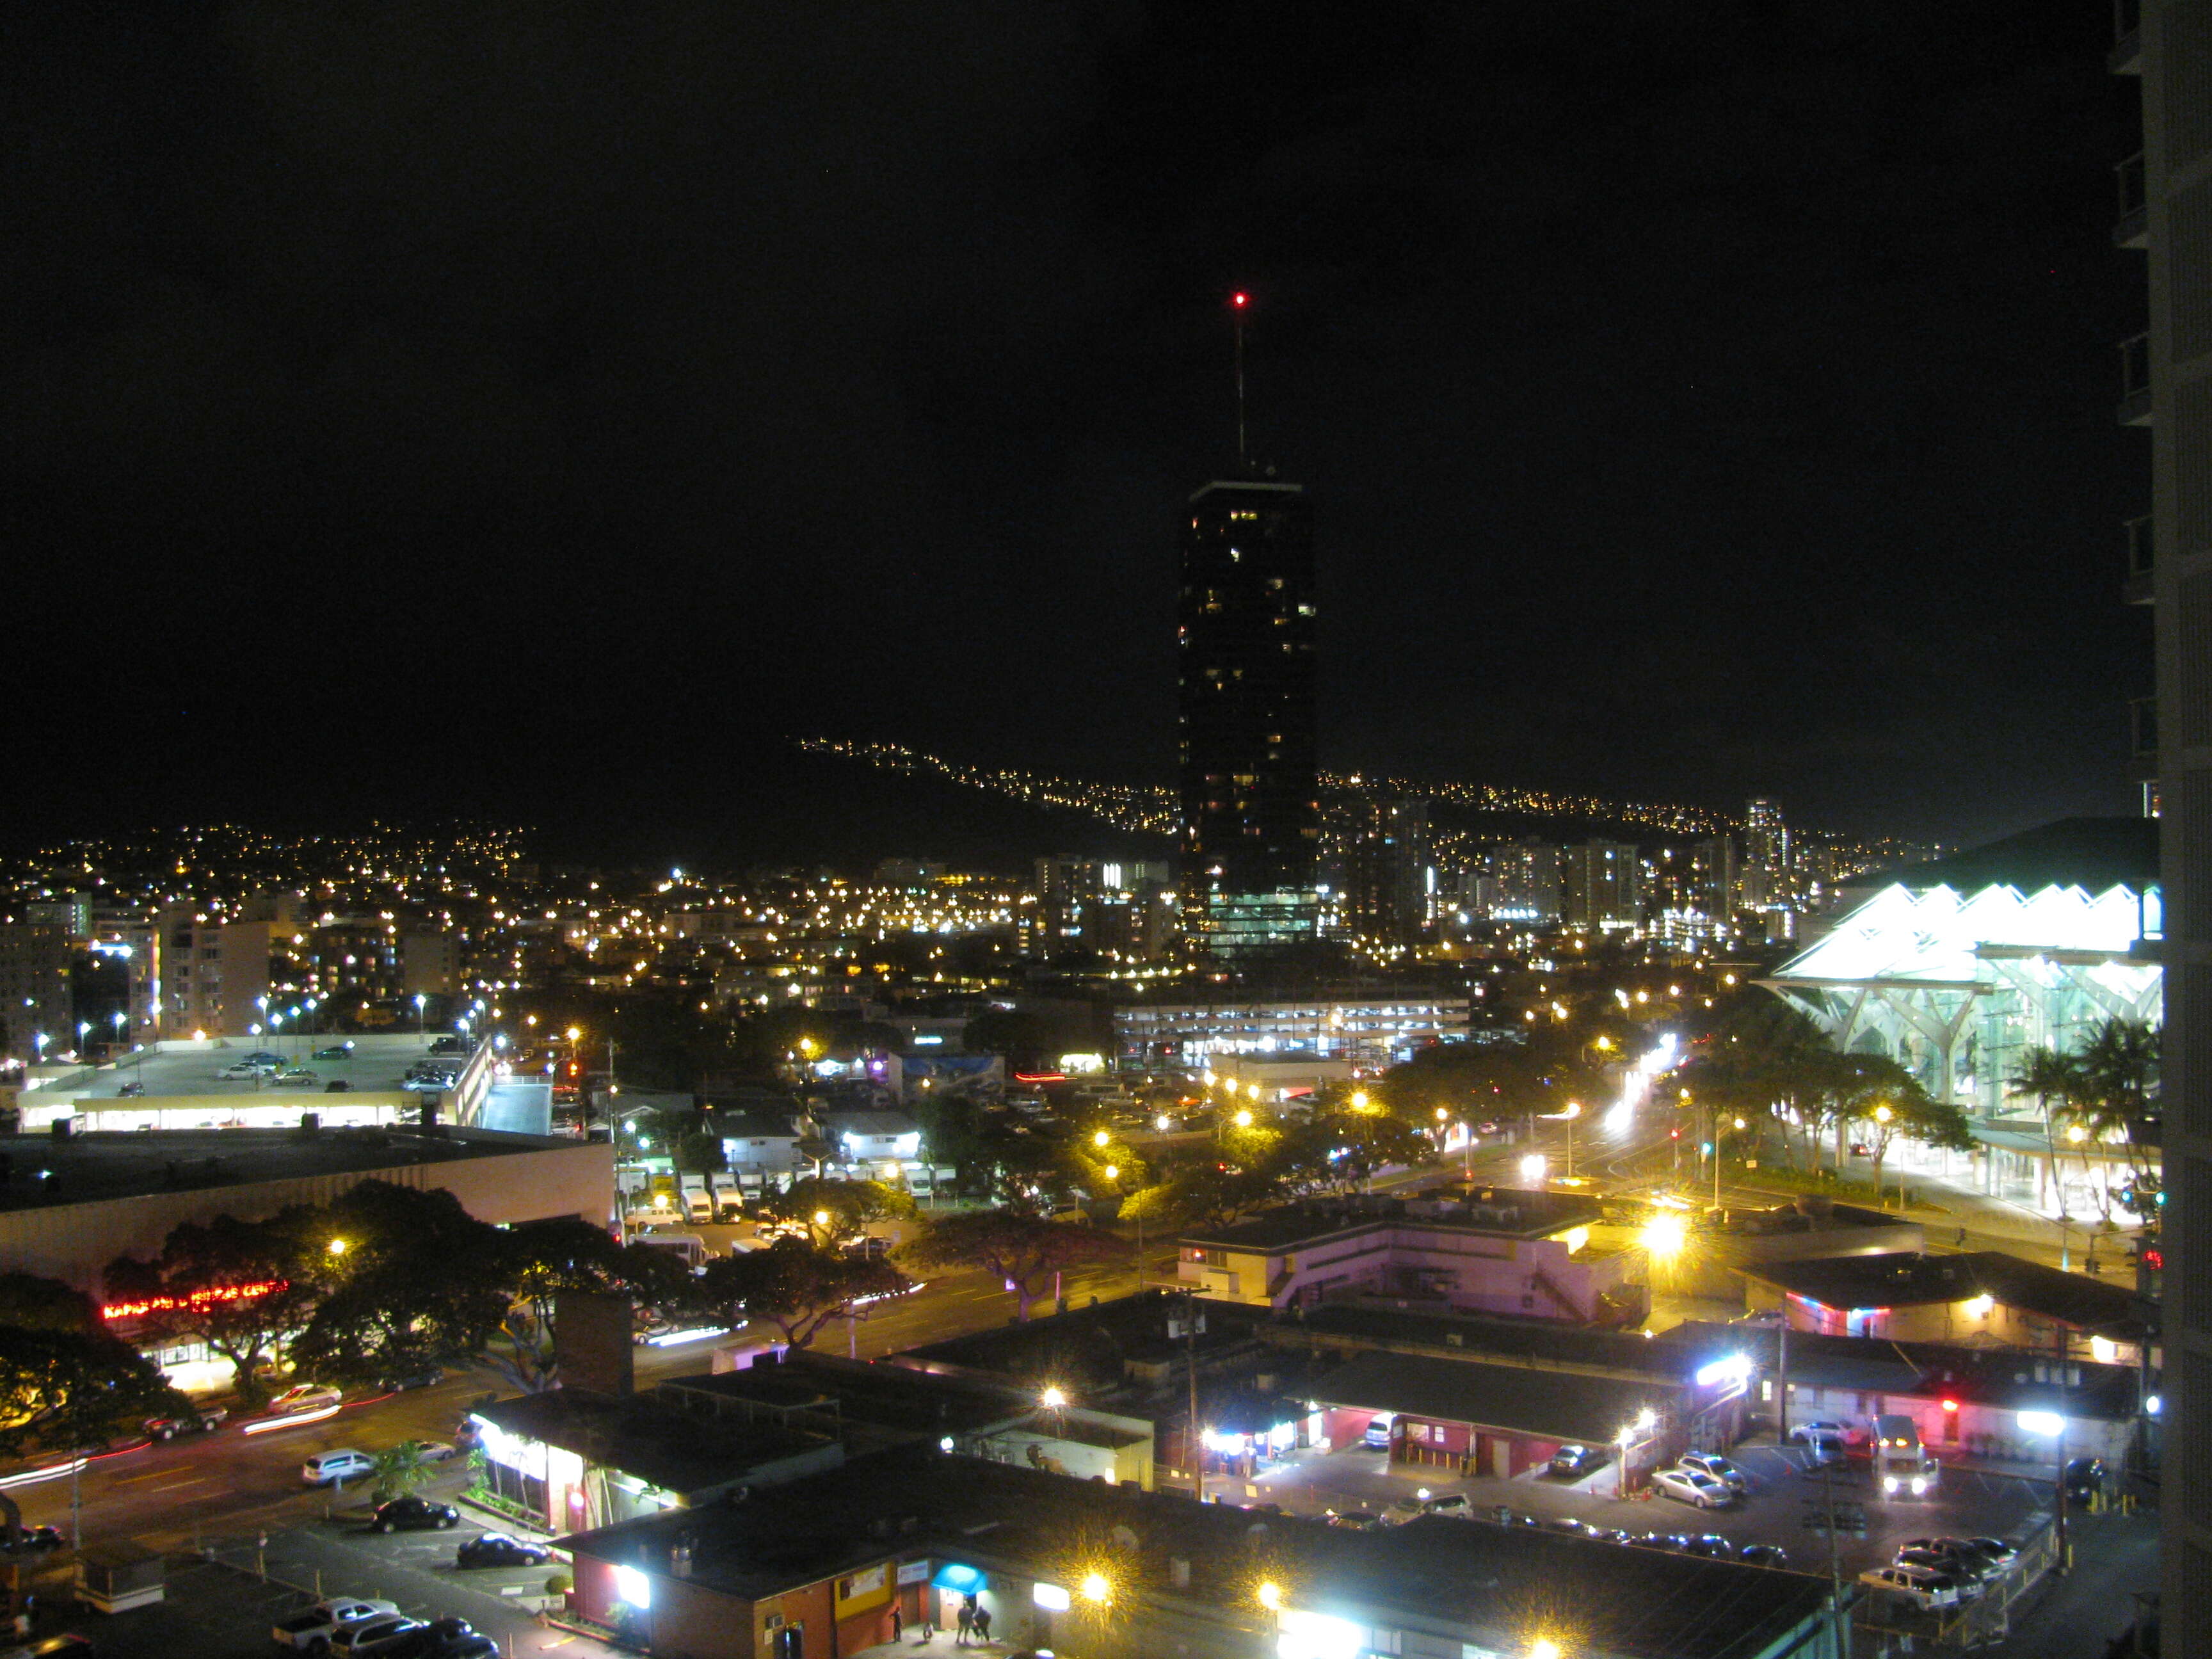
(814, 1570)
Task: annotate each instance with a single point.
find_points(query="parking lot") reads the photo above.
(1782, 1506)
(221, 1604)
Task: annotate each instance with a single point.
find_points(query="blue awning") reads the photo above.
(954, 1576)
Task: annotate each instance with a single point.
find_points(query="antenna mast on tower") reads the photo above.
(1237, 301)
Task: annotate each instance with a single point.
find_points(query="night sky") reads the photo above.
(537, 409)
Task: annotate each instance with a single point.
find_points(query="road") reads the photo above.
(173, 1496)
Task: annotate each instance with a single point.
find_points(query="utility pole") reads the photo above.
(1782, 1379)
(1193, 1440)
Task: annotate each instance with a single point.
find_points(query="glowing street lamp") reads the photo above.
(1101, 1139)
(336, 1248)
(1243, 1118)
(1532, 1166)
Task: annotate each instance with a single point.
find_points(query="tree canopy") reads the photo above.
(1021, 1248)
(796, 1286)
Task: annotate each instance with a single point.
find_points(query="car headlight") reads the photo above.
(1919, 1484)
(1889, 1483)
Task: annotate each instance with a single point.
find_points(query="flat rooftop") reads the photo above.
(653, 1437)
(374, 1065)
(1545, 1404)
(44, 1170)
(1902, 1280)
(920, 1504)
(1492, 1210)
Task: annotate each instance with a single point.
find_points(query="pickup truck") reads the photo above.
(310, 1631)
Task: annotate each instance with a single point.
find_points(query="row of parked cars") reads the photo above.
(1941, 1572)
(1455, 1505)
(368, 1627)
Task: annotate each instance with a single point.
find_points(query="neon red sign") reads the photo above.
(212, 1296)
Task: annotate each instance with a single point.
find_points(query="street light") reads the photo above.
(1101, 1139)
(336, 1247)
(1532, 1166)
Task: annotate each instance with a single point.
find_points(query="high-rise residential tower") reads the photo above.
(1251, 811)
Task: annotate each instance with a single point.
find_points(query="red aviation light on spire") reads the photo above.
(1240, 300)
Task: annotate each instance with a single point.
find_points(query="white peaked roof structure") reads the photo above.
(1956, 968)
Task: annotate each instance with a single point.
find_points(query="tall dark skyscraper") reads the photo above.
(1251, 813)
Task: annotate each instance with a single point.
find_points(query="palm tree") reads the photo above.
(2054, 1079)
(397, 1470)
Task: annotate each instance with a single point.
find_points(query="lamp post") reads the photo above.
(421, 1002)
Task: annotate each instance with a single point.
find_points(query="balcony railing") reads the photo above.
(2131, 228)
(2135, 381)
(2135, 586)
(2126, 55)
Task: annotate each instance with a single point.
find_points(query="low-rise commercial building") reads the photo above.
(1965, 1402)
(1492, 1251)
(573, 1457)
(1087, 1567)
(1978, 1298)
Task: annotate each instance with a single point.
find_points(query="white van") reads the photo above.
(326, 1467)
(698, 1205)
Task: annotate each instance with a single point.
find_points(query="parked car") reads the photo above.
(1918, 1585)
(1714, 1464)
(1378, 1432)
(337, 1085)
(413, 1514)
(1969, 1576)
(1995, 1549)
(204, 1420)
(450, 1045)
(300, 1074)
(310, 1631)
(1686, 1486)
(443, 1639)
(387, 1633)
(326, 1468)
(1764, 1555)
(424, 1377)
(238, 1070)
(36, 1540)
(268, 1057)
(1672, 1542)
(131, 1091)
(1822, 1430)
(496, 1549)
(1969, 1556)
(1356, 1520)
(304, 1397)
(1453, 1503)
(2083, 1479)
(435, 1451)
(336, 1051)
(1572, 1462)
(1711, 1545)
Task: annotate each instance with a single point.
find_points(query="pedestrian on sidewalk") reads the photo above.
(967, 1626)
(1962, 1238)
(928, 1617)
(983, 1624)
(898, 1622)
